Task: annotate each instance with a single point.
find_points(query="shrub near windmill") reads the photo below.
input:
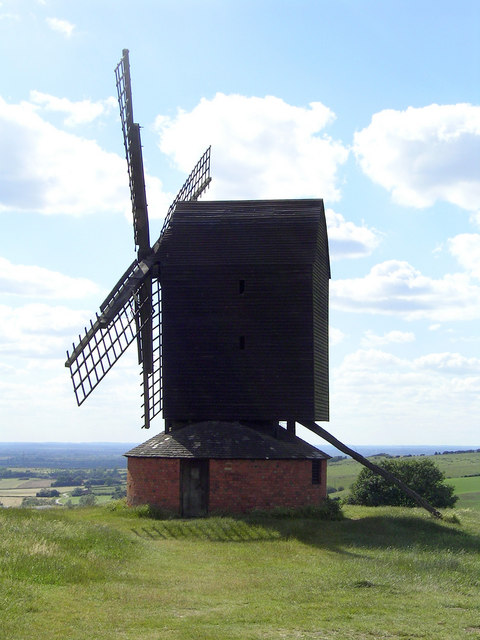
(229, 309)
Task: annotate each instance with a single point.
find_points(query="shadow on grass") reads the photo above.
(213, 529)
(405, 532)
(348, 536)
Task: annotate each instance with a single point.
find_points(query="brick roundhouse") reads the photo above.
(218, 467)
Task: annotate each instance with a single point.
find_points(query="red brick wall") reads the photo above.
(235, 485)
(243, 485)
(154, 481)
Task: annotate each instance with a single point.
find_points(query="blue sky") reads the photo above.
(371, 105)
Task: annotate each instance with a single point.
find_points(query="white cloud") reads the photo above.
(61, 26)
(370, 339)
(80, 112)
(45, 404)
(449, 363)
(348, 240)
(38, 330)
(424, 155)
(46, 170)
(400, 400)
(37, 282)
(336, 336)
(263, 147)
(396, 288)
(466, 249)
(10, 16)
(371, 361)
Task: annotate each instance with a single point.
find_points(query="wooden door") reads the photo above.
(194, 488)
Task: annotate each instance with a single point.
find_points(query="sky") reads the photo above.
(372, 105)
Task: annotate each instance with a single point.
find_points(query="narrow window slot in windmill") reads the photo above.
(315, 471)
(241, 342)
(241, 287)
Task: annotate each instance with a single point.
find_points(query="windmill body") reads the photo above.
(245, 311)
(229, 310)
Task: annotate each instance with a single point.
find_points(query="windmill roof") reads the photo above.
(226, 440)
(245, 231)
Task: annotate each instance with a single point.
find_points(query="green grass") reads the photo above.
(106, 573)
(465, 485)
(468, 491)
(454, 465)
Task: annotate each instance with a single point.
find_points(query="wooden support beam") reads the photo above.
(313, 426)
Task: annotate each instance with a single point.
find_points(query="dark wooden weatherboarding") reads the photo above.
(229, 311)
(245, 311)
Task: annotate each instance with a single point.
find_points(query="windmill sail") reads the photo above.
(152, 379)
(132, 310)
(113, 331)
(133, 152)
(193, 187)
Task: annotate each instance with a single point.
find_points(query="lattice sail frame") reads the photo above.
(133, 307)
(101, 346)
(133, 154)
(193, 187)
(152, 393)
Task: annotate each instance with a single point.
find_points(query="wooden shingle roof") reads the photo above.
(245, 232)
(226, 440)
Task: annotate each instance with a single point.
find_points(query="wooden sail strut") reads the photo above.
(313, 426)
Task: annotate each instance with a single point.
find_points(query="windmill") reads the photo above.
(132, 310)
(229, 309)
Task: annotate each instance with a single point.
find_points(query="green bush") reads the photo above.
(47, 493)
(87, 500)
(423, 476)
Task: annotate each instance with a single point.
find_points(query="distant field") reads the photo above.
(103, 495)
(14, 490)
(9, 501)
(453, 465)
(10, 483)
(468, 490)
(36, 483)
(456, 465)
(466, 485)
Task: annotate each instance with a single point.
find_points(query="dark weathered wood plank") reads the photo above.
(245, 311)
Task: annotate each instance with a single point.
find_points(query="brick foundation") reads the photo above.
(235, 486)
(154, 481)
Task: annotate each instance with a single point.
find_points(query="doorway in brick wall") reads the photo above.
(194, 488)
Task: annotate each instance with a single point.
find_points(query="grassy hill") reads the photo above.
(108, 574)
(462, 470)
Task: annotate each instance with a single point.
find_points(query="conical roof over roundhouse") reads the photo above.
(226, 441)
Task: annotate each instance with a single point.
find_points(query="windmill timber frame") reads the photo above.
(133, 309)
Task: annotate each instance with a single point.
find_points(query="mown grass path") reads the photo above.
(380, 573)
